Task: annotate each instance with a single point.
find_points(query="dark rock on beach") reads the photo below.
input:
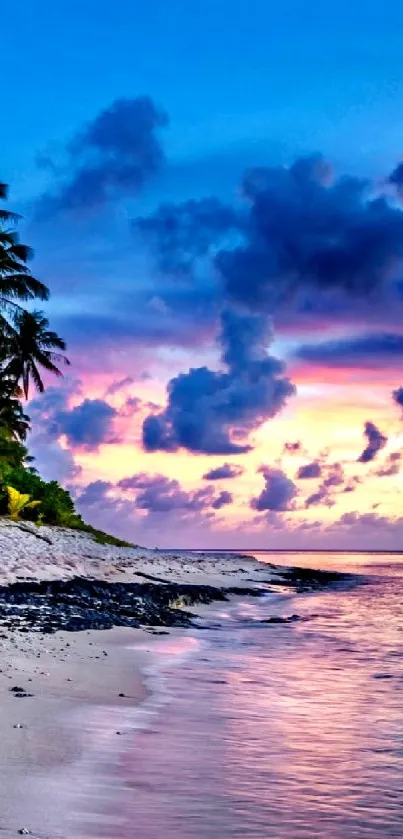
(84, 603)
(309, 579)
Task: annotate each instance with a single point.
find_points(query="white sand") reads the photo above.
(49, 767)
(49, 553)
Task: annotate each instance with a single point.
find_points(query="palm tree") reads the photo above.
(16, 280)
(31, 346)
(14, 424)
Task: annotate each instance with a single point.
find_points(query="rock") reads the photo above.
(25, 832)
(16, 689)
(122, 695)
(18, 725)
(277, 619)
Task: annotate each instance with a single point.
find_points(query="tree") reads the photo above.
(16, 281)
(30, 347)
(13, 422)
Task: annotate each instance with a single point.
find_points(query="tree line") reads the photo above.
(29, 348)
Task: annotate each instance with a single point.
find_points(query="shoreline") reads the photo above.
(70, 728)
(68, 697)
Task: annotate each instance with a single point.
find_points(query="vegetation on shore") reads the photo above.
(28, 348)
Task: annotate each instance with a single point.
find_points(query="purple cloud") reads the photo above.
(208, 410)
(309, 470)
(278, 492)
(227, 470)
(375, 442)
(159, 494)
(398, 396)
(223, 499)
(391, 466)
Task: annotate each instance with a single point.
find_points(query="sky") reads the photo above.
(214, 196)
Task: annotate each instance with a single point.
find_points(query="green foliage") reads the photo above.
(18, 502)
(12, 452)
(56, 504)
(104, 538)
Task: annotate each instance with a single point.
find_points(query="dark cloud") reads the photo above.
(391, 466)
(112, 157)
(305, 243)
(94, 493)
(309, 470)
(372, 351)
(181, 234)
(307, 231)
(223, 499)
(209, 410)
(227, 470)
(375, 442)
(398, 396)
(159, 494)
(396, 178)
(278, 492)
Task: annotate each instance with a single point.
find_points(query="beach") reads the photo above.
(66, 697)
(221, 695)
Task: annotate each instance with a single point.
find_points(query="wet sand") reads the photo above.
(74, 713)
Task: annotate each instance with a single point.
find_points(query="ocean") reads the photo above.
(281, 730)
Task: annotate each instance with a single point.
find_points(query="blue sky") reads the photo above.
(296, 76)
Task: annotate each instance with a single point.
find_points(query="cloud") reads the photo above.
(94, 493)
(159, 494)
(373, 350)
(376, 442)
(304, 243)
(391, 466)
(88, 425)
(223, 499)
(278, 492)
(181, 234)
(309, 232)
(210, 411)
(396, 178)
(227, 470)
(309, 470)
(324, 494)
(398, 396)
(111, 157)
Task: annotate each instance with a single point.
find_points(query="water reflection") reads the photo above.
(285, 731)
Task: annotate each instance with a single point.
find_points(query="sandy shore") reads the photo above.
(62, 711)
(88, 690)
(53, 553)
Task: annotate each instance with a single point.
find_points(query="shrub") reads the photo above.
(56, 504)
(19, 502)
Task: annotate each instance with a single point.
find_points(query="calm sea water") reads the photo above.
(290, 731)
